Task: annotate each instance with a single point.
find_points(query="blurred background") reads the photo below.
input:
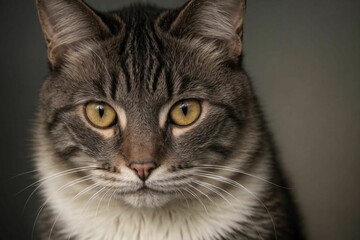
(304, 59)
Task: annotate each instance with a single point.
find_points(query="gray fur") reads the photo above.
(141, 59)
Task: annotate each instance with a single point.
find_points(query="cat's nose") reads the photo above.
(143, 169)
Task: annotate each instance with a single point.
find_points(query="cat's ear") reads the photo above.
(219, 20)
(65, 22)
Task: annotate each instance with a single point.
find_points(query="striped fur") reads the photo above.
(217, 179)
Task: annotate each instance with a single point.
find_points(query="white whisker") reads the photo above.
(45, 180)
(85, 190)
(234, 170)
(70, 184)
(236, 184)
(187, 202)
(53, 226)
(211, 188)
(82, 192)
(56, 175)
(110, 198)
(22, 174)
(98, 206)
(196, 197)
(201, 192)
(92, 197)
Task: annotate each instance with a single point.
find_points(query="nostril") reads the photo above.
(143, 170)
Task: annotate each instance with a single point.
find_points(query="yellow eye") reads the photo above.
(185, 113)
(100, 115)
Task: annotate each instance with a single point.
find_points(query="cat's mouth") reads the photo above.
(146, 196)
(146, 190)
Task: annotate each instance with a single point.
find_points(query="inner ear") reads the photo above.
(65, 22)
(212, 20)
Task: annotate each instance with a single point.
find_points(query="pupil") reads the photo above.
(185, 108)
(101, 110)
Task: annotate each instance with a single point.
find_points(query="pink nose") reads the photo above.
(143, 170)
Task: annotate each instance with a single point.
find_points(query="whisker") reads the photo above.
(72, 183)
(196, 197)
(53, 226)
(236, 184)
(201, 192)
(92, 197)
(77, 195)
(22, 174)
(210, 188)
(214, 186)
(56, 175)
(187, 202)
(43, 182)
(85, 190)
(36, 219)
(82, 192)
(111, 196)
(97, 209)
(234, 170)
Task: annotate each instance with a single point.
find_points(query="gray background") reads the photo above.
(304, 58)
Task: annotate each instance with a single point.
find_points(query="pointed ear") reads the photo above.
(220, 20)
(65, 22)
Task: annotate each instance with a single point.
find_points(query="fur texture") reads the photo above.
(215, 179)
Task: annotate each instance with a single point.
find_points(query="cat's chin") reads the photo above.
(147, 199)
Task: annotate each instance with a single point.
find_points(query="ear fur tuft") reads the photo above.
(65, 22)
(213, 20)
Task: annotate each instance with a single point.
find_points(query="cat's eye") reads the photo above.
(186, 112)
(100, 115)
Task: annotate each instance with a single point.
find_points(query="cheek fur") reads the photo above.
(90, 142)
(216, 131)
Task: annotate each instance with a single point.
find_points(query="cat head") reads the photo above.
(143, 99)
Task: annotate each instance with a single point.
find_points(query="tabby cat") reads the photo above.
(149, 129)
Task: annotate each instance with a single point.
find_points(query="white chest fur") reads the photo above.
(184, 220)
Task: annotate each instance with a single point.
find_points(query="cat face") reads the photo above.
(141, 103)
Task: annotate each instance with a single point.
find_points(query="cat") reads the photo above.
(149, 129)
